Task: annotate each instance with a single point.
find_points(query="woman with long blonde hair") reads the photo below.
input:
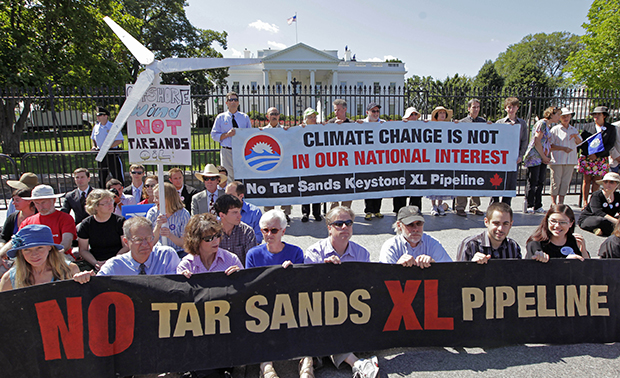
(175, 217)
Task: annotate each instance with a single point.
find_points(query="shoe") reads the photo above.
(368, 216)
(269, 372)
(540, 210)
(530, 210)
(434, 211)
(318, 218)
(366, 368)
(305, 368)
(378, 215)
(598, 232)
(305, 218)
(475, 211)
(441, 210)
(461, 213)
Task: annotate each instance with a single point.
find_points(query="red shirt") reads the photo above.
(58, 221)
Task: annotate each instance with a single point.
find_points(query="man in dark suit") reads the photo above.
(135, 189)
(175, 176)
(204, 202)
(76, 199)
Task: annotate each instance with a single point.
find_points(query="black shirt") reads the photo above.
(554, 251)
(104, 238)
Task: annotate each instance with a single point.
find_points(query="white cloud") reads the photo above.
(260, 25)
(276, 45)
(236, 53)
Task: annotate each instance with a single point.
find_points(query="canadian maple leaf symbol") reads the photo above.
(496, 180)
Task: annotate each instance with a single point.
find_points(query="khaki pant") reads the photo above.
(461, 203)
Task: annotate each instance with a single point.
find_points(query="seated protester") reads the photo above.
(137, 186)
(122, 199)
(202, 243)
(411, 246)
(147, 190)
(25, 208)
(27, 180)
(275, 252)
(237, 237)
(224, 179)
(601, 214)
(493, 243)
(610, 249)
(38, 259)
(554, 237)
(337, 248)
(100, 236)
(76, 199)
(175, 215)
(144, 256)
(250, 214)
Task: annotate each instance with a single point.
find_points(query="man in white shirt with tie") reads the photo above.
(204, 202)
(224, 129)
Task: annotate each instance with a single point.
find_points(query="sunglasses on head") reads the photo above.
(340, 223)
(210, 238)
(272, 230)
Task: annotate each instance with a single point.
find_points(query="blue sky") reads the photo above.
(434, 38)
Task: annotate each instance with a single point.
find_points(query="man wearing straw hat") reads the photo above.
(204, 202)
(27, 180)
(62, 224)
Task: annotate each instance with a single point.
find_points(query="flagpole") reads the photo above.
(295, 27)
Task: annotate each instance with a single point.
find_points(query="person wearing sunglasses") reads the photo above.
(203, 235)
(372, 206)
(147, 192)
(204, 202)
(136, 187)
(601, 214)
(411, 246)
(276, 252)
(335, 249)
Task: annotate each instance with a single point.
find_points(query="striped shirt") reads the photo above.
(223, 260)
(509, 249)
(176, 224)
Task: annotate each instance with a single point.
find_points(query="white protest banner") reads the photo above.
(322, 163)
(159, 128)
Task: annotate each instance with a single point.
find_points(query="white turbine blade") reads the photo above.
(139, 88)
(193, 64)
(319, 109)
(144, 55)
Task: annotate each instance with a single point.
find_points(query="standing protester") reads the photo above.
(411, 114)
(273, 115)
(536, 159)
(340, 110)
(310, 119)
(564, 141)
(440, 114)
(511, 105)
(224, 128)
(473, 107)
(372, 206)
(111, 163)
(595, 165)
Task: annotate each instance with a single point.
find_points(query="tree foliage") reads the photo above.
(547, 52)
(596, 64)
(488, 77)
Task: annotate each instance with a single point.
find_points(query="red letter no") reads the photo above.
(99, 334)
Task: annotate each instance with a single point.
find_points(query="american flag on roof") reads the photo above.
(292, 19)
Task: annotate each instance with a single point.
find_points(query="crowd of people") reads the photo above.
(214, 229)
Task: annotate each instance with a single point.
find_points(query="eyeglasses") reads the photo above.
(232, 99)
(137, 173)
(340, 223)
(268, 230)
(209, 239)
(149, 185)
(274, 114)
(375, 111)
(210, 178)
(554, 222)
(139, 240)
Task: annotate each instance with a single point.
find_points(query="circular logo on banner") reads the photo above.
(262, 153)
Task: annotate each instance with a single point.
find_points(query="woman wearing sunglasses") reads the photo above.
(337, 248)
(147, 193)
(202, 243)
(555, 238)
(276, 252)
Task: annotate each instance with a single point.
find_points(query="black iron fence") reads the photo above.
(56, 132)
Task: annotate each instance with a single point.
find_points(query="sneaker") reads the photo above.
(441, 210)
(461, 213)
(378, 215)
(540, 210)
(475, 211)
(530, 210)
(368, 216)
(434, 211)
(598, 232)
(366, 368)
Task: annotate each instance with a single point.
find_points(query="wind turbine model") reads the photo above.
(151, 76)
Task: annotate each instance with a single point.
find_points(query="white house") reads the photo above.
(310, 68)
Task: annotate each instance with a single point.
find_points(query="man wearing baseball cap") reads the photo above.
(411, 246)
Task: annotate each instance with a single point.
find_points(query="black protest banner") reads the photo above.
(139, 324)
(323, 163)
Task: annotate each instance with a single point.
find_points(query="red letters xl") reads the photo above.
(402, 305)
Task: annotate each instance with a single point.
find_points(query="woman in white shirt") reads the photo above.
(564, 141)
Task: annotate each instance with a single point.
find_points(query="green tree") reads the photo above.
(596, 64)
(548, 52)
(488, 77)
